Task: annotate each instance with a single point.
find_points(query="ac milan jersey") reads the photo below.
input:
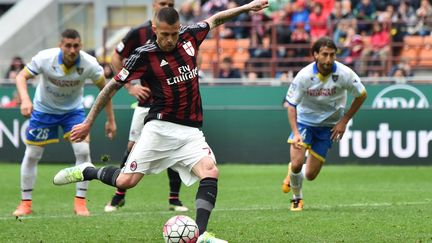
(172, 76)
(135, 38)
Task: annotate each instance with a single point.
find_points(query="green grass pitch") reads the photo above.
(344, 204)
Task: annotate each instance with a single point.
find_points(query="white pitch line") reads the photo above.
(127, 214)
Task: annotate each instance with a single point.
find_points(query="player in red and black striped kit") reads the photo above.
(135, 38)
(171, 131)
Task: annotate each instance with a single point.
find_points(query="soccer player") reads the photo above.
(134, 39)
(58, 102)
(171, 136)
(316, 113)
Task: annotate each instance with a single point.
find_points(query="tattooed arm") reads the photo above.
(224, 16)
(79, 132)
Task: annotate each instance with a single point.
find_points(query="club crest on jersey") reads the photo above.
(335, 77)
(80, 70)
(187, 46)
(123, 74)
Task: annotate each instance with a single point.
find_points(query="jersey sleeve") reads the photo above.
(295, 92)
(35, 66)
(134, 68)
(355, 85)
(128, 43)
(199, 31)
(97, 74)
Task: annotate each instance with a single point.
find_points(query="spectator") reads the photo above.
(301, 36)
(339, 13)
(327, 6)
(354, 44)
(213, 6)
(379, 48)
(424, 16)
(16, 65)
(399, 76)
(300, 14)
(236, 27)
(186, 13)
(403, 65)
(318, 22)
(364, 12)
(407, 16)
(260, 48)
(227, 70)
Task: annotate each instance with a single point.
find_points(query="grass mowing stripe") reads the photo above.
(128, 214)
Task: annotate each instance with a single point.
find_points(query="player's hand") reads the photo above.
(297, 141)
(258, 5)
(79, 132)
(338, 131)
(110, 129)
(26, 108)
(140, 92)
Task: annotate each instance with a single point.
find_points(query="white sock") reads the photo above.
(82, 155)
(296, 182)
(29, 164)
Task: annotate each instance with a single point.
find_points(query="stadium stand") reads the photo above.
(274, 50)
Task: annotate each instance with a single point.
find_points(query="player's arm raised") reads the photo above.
(224, 16)
(80, 131)
(21, 84)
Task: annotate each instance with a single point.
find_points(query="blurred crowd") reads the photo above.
(362, 29)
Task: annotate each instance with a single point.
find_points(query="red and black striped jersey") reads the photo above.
(172, 76)
(135, 38)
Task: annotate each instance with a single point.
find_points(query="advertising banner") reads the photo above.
(247, 124)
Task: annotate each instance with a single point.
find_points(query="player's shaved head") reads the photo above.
(70, 34)
(167, 15)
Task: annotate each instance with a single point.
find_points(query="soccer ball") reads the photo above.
(180, 229)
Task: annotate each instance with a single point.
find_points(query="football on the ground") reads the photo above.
(180, 229)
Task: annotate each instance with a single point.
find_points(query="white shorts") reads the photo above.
(137, 122)
(165, 145)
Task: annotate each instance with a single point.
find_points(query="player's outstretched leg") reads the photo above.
(174, 200)
(118, 200)
(87, 172)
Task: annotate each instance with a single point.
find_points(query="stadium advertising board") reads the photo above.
(248, 125)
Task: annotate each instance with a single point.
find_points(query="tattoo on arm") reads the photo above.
(218, 22)
(102, 99)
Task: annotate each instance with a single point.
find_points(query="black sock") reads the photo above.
(174, 183)
(107, 174)
(90, 173)
(205, 202)
(125, 157)
(122, 191)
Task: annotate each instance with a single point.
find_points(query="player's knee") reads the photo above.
(82, 151)
(207, 168)
(311, 175)
(33, 152)
(296, 167)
